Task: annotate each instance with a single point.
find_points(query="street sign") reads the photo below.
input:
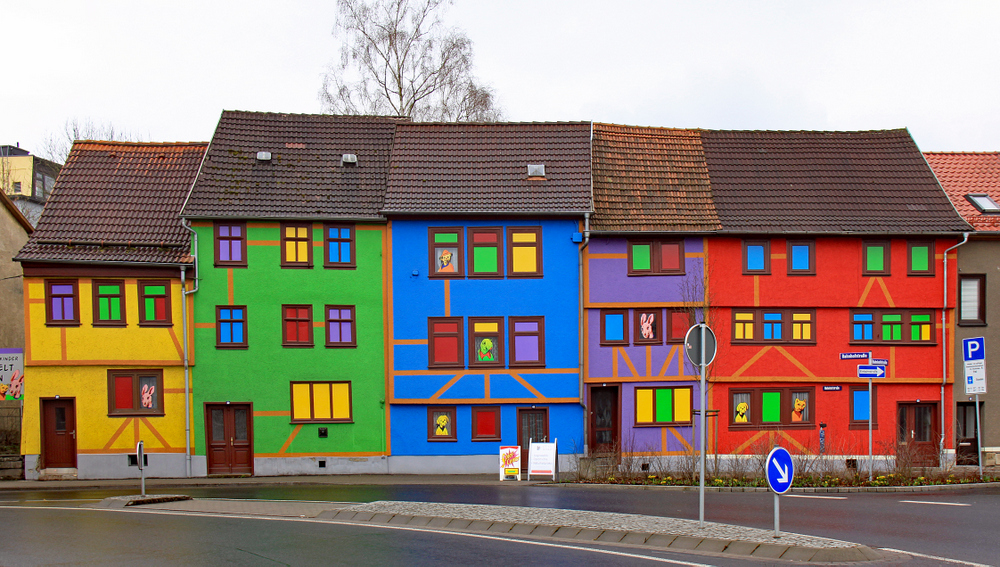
(780, 470)
(974, 349)
(880, 361)
(853, 355)
(974, 353)
(871, 371)
(692, 344)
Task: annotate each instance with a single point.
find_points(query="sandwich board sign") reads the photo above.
(510, 462)
(543, 459)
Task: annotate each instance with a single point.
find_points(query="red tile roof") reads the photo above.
(866, 182)
(304, 178)
(469, 168)
(964, 173)
(118, 202)
(650, 179)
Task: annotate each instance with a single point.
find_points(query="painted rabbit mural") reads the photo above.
(646, 322)
(16, 389)
(147, 396)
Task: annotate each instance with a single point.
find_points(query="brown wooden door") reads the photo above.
(917, 434)
(967, 442)
(604, 422)
(229, 438)
(59, 433)
(532, 426)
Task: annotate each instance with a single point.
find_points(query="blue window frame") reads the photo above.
(613, 328)
(339, 246)
(772, 326)
(231, 326)
(756, 257)
(801, 255)
(862, 327)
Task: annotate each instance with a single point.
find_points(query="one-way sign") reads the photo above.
(866, 370)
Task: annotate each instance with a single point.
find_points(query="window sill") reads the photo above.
(305, 421)
(858, 426)
(296, 266)
(136, 414)
(156, 324)
(225, 265)
(341, 345)
(486, 439)
(666, 424)
(447, 440)
(110, 325)
(297, 345)
(232, 347)
(647, 274)
(340, 266)
(972, 324)
(61, 324)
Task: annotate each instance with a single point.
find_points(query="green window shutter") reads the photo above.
(103, 309)
(116, 308)
(446, 238)
(641, 257)
(919, 257)
(150, 309)
(876, 259)
(664, 405)
(485, 259)
(770, 411)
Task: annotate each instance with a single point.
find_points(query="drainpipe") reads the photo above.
(586, 240)
(187, 363)
(944, 348)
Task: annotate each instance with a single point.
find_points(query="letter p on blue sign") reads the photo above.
(974, 349)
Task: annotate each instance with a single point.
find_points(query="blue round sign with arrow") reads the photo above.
(780, 470)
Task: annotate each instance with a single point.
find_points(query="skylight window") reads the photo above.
(983, 202)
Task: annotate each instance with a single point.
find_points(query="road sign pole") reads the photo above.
(979, 440)
(704, 437)
(871, 455)
(777, 515)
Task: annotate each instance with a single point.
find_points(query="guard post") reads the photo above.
(780, 472)
(701, 346)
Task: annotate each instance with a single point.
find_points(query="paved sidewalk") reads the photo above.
(545, 523)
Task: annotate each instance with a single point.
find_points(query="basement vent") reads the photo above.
(536, 170)
(349, 160)
(263, 156)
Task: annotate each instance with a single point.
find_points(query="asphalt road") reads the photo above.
(955, 524)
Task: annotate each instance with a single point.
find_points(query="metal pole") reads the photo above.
(701, 481)
(871, 456)
(979, 440)
(777, 515)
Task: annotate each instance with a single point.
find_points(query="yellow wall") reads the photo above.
(17, 169)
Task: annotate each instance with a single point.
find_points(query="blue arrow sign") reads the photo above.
(865, 370)
(780, 470)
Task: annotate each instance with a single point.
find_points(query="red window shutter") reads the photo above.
(446, 349)
(486, 422)
(123, 392)
(670, 258)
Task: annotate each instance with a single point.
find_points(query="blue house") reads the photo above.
(485, 223)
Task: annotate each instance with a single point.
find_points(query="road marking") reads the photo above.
(390, 527)
(62, 500)
(811, 496)
(935, 557)
(935, 503)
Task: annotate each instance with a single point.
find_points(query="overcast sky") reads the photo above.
(166, 70)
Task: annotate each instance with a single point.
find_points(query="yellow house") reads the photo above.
(27, 180)
(106, 364)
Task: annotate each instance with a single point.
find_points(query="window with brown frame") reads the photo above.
(447, 249)
(663, 406)
(340, 326)
(524, 251)
(231, 244)
(920, 258)
(859, 411)
(614, 327)
(444, 342)
(296, 245)
(441, 424)
(62, 307)
(486, 252)
(527, 341)
(972, 300)
(801, 257)
(109, 303)
(647, 327)
(321, 402)
(154, 303)
(297, 326)
(678, 323)
(767, 326)
(785, 407)
(231, 326)
(875, 258)
(756, 257)
(486, 342)
(135, 392)
(656, 257)
(486, 423)
(338, 251)
(892, 326)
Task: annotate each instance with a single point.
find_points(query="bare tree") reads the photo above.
(398, 59)
(56, 146)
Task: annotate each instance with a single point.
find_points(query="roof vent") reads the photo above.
(536, 170)
(263, 156)
(349, 159)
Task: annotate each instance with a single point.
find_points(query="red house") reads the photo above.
(831, 243)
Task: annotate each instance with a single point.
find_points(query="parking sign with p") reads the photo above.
(974, 349)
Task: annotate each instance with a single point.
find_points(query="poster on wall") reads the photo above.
(542, 459)
(11, 373)
(510, 462)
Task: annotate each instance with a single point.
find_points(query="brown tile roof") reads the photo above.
(304, 178)
(867, 182)
(964, 173)
(650, 179)
(469, 168)
(118, 202)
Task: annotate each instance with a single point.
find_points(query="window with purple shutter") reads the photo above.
(527, 341)
(340, 330)
(61, 303)
(230, 244)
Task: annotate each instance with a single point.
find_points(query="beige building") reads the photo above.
(14, 231)
(27, 180)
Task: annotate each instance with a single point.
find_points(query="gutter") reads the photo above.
(944, 347)
(187, 358)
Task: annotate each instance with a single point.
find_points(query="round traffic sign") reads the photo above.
(780, 470)
(692, 344)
